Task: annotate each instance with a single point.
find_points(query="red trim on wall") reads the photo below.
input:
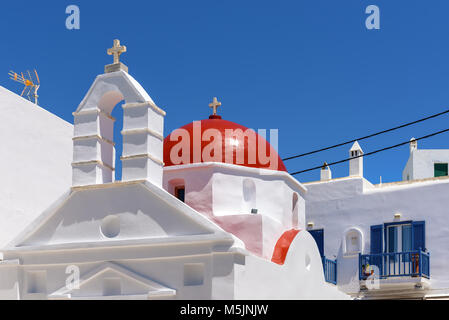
(282, 246)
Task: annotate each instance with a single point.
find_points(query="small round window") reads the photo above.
(110, 226)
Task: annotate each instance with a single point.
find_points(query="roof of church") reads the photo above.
(206, 137)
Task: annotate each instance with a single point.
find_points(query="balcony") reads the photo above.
(395, 264)
(330, 270)
(394, 274)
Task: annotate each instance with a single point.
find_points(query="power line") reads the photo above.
(372, 152)
(366, 137)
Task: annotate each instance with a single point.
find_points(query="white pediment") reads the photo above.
(111, 88)
(116, 213)
(113, 281)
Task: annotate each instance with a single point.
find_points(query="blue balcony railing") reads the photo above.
(395, 264)
(330, 270)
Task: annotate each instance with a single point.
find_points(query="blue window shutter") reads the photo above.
(419, 235)
(392, 245)
(376, 239)
(407, 241)
(318, 235)
(407, 238)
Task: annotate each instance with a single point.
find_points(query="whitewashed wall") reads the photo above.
(346, 203)
(421, 163)
(153, 262)
(36, 162)
(157, 236)
(300, 277)
(221, 192)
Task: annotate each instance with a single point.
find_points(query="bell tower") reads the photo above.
(143, 124)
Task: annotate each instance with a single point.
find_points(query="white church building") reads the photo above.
(206, 212)
(183, 223)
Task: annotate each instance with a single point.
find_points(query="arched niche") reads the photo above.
(249, 195)
(352, 241)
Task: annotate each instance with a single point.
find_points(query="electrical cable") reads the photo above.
(368, 136)
(372, 152)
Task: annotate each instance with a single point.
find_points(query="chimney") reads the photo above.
(356, 162)
(326, 173)
(413, 145)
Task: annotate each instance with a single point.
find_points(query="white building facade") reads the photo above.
(37, 152)
(425, 163)
(390, 240)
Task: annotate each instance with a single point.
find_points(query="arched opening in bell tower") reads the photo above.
(110, 127)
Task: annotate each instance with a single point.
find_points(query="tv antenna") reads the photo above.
(31, 83)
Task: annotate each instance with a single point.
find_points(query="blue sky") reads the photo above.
(309, 68)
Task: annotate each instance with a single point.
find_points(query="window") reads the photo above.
(398, 237)
(440, 169)
(180, 193)
(177, 187)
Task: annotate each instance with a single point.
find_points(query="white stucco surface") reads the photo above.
(158, 239)
(345, 204)
(420, 164)
(227, 193)
(36, 162)
(164, 250)
(300, 277)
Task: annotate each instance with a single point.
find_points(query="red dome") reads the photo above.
(242, 146)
